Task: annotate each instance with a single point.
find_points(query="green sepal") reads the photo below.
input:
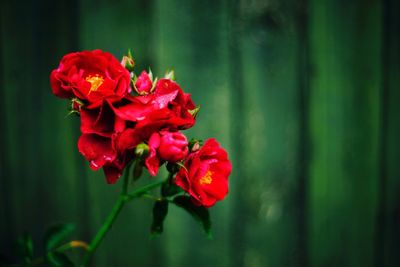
(154, 83)
(199, 213)
(160, 211)
(170, 74)
(195, 111)
(57, 234)
(58, 259)
(150, 73)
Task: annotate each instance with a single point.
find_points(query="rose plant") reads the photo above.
(128, 120)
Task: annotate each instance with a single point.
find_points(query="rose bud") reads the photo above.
(143, 84)
(173, 146)
(165, 145)
(128, 63)
(205, 175)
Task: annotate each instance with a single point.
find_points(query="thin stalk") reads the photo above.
(103, 230)
(123, 198)
(143, 190)
(109, 221)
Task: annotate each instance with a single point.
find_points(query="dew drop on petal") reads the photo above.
(93, 164)
(107, 158)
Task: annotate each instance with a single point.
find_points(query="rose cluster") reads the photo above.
(124, 117)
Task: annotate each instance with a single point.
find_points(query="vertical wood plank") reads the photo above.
(190, 38)
(344, 121)
(388, 224)
(37, 166)
(266, 123)
(116, 26)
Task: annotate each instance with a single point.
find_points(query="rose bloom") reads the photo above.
(168, 146)
(100, 127)
(90, 76)
(168, 107)
(205, 175)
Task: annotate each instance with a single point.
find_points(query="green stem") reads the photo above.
(143, 190)
(110, 219)
(123, 198)
(103, 230)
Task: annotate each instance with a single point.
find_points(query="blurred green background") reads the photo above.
(303, 94)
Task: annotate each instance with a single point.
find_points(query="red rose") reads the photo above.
(90, 76)
(143, 84)
(168, 146)
(205, 176)
(168, 107)
(178, 101)
(167, 96)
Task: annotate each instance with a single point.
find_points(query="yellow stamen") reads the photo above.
(96, 81)
(207, 178)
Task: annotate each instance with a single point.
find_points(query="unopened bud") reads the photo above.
(76, 105)
(128, 63)
(141, 150)
(195, 144)
(143, 83)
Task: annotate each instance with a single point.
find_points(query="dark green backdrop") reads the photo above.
(303, 94)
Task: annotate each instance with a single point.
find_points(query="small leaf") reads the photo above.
(25, 248)
(200, 213)
(160, 211)
(58, 259)
(56, 234)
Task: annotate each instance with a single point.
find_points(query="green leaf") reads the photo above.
(56, 234)
(200, 213)
(25, 248)
(58, 259)
(160, 211)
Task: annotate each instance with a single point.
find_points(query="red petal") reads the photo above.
(112, 173)
(96, 149)
(152, 162)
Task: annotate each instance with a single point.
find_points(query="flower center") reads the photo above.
(207, 178)
(95, 80)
